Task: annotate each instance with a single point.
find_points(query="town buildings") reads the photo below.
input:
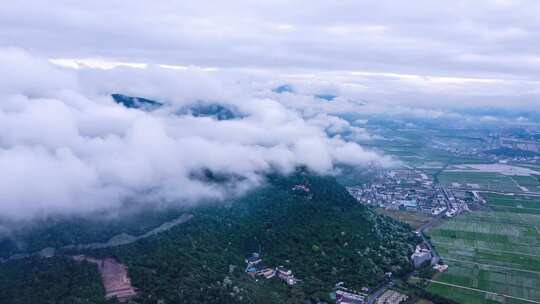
(405, 189)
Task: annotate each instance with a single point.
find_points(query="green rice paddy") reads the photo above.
(494, 256)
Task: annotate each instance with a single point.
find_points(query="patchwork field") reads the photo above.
(495, 177)
(478, 180)
(514, 203)
(494, 256)
(531, 183)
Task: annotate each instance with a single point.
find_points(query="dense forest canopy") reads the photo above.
(317, 230)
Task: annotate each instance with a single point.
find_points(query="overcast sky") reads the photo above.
(471, 53)
(67, 148)
(441, 38)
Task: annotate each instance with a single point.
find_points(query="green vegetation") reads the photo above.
(480, 180)
(57, 280)
(516, 203)
(532, 183)
(470, 296)
(512, 152)
(414, 219)
(58, 232)
(495, 253)
(414, 144)
(324, 236)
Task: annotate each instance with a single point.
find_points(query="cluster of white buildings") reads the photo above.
(421, 255)
(255, 267)
(404, 189)
(348, 296)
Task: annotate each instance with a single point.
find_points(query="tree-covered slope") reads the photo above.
(324, 236)
(56, 280)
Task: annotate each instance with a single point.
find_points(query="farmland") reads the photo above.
(531, 183)
(494, 177)
(414, 219)
(478, 180)
(514, 204)
(494, 256)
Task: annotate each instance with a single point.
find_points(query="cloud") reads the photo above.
(67, 148)
(459, 39)
(460, 55)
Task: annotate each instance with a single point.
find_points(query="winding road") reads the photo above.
(117, 240)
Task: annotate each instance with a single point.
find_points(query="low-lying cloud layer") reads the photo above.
(67, 148)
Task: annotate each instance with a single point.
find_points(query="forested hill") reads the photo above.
(323, 235)
(307, 223)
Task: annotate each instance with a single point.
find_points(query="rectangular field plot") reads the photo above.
(478, 180)
(531, 183)
(473, 295)
(529, 220)
(514, 203)
(517, 201)
(494, 257)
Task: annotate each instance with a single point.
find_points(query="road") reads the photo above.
(117, 240)
(420, 231)
(480, 290)
(378, 292)
(497, 192)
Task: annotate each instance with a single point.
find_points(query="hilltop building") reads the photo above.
(254, 259)
(255, 267)
(286, 275)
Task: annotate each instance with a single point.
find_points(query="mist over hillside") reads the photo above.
(277, 151)
(82, 152)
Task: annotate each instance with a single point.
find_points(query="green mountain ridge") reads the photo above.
(322, 234)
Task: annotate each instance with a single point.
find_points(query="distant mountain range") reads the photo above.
(136, 102)
(196, 109)
(286, 88)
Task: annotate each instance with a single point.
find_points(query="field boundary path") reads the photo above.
(491, 265)
(484, 291)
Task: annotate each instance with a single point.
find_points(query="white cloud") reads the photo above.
(67, 148)
(61, 134)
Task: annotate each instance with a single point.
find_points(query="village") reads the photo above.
(413, 190)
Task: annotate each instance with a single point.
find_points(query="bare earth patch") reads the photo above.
(114, 277)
